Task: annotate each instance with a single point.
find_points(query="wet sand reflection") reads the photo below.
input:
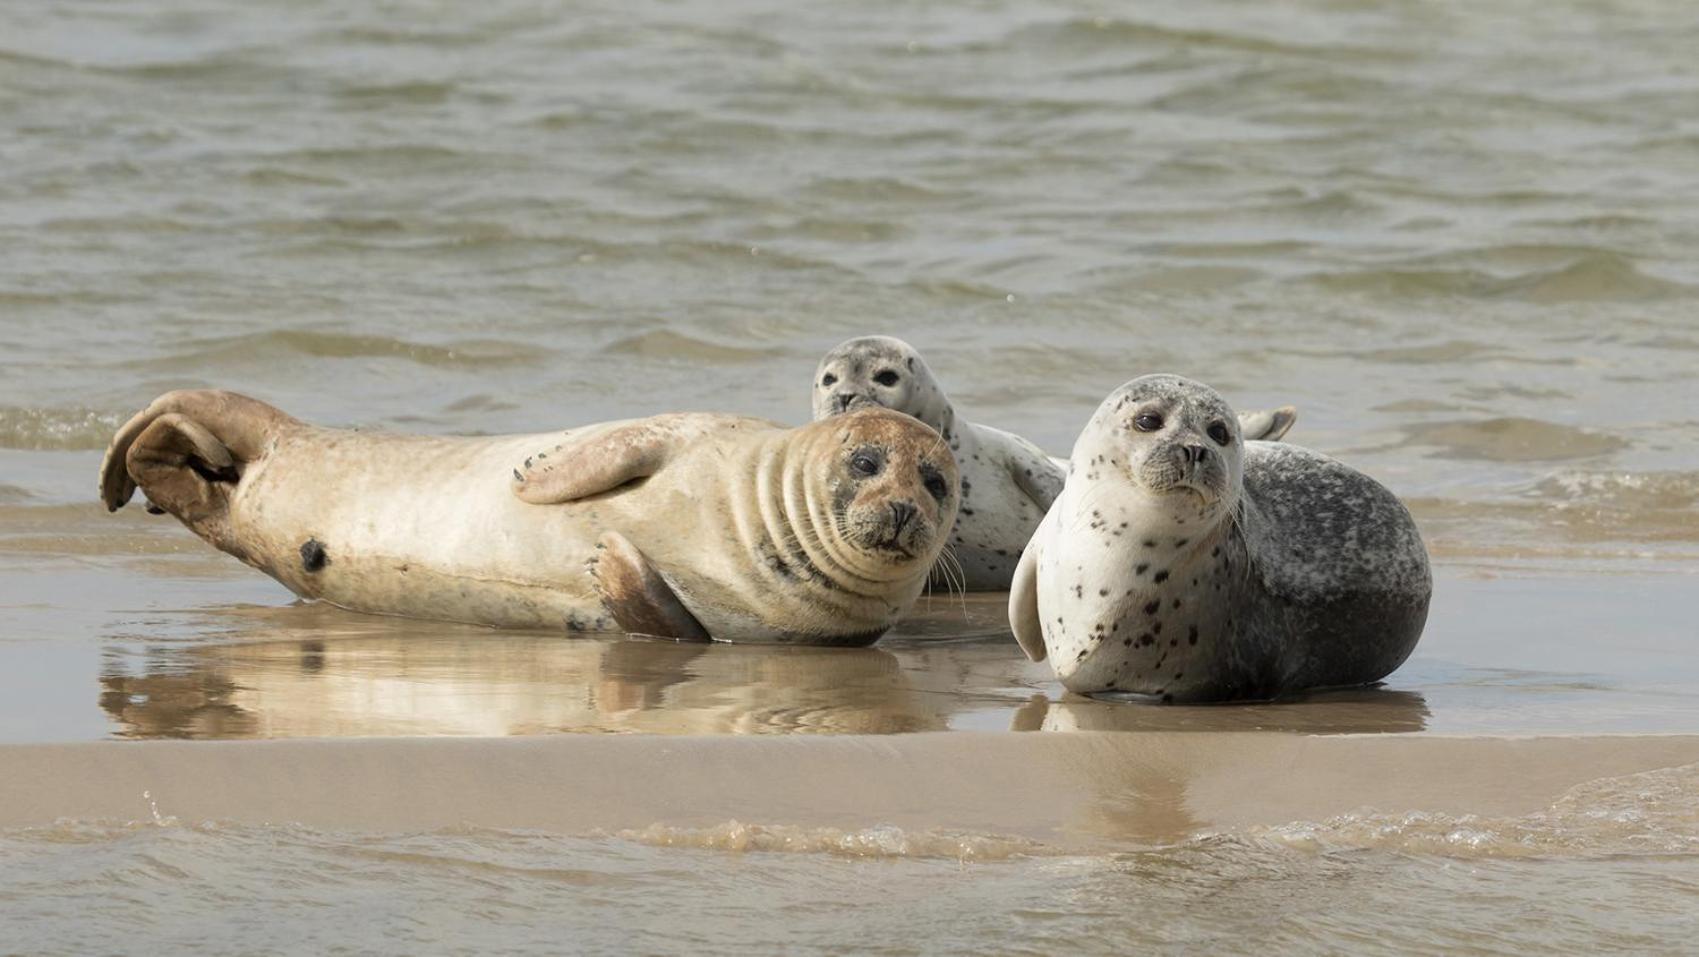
(311, 671)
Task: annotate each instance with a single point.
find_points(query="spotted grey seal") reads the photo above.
(1182, 562)
(686, 526)
(1007, 482)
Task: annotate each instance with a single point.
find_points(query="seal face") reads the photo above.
(1183, 562)
(688, 526)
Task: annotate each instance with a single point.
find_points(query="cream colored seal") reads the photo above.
(1183, 562)
(1007, 482)
(688, 526)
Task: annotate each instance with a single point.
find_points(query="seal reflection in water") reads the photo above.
(1183, 562)
(1007, 483)
(684, 526)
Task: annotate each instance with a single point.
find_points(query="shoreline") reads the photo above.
(1074, 790)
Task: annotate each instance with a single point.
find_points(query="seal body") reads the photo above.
(1007, 482)
(1182, 562)
(756, 532)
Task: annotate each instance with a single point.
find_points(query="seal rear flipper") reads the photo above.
(636, 595)
(600, 462)
(1023, 602)
(184, 470)
(1267, 425)
(240, 425)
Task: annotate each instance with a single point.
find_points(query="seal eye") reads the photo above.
(886, 377)
(865, 463)
(1148, 422)
(830, 379)
(1218, 432)
(935, 484)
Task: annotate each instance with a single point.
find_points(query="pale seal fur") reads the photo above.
(1182, 562)
(685, 526)
(1007, 482)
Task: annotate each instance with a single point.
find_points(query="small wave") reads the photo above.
(1654, 812)
(265, 347)
(877, 841)
(1598, 277)
(666, 344)
(1643, 506)
(1120, 34)
(1513, 439)
(56, 430)
(1594, 276)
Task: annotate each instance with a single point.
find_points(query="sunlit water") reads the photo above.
(1461, 238)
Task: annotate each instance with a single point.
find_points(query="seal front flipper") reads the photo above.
(1037, 475)
(1268, 425)
(1023, 599)
(636, 595)
(582, 466)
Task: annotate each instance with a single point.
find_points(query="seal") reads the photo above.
(1007, 482)
(686, 526)
(1183, 562)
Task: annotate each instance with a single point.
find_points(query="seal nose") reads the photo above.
(1194, 453)
(901, 514)
(843, 399)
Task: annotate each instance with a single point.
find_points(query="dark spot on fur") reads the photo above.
(1160, 577)
(1192, 635)
(1150, 543)
(1103, 593)
(1181, 542)
(313, 555)
(1150, 609)
(1141, 568)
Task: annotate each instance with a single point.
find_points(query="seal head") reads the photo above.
(1176, 441)
(880, 371)
(881, 494)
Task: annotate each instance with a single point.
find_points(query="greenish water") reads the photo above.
(1461, 238)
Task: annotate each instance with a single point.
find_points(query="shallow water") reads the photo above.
(1618, 881)
(1460, 238)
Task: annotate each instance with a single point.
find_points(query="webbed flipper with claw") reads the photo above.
(636, 594)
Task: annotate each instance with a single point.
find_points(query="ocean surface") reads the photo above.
(1462, 238)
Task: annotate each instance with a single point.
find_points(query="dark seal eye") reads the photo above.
(886, 377)
(935, 484)
(830, 379)
(865, 463)
(1148, 422)
(1218, 432)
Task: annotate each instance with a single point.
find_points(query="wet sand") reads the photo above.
(1067, 792)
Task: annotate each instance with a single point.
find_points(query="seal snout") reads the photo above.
(845, 401)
